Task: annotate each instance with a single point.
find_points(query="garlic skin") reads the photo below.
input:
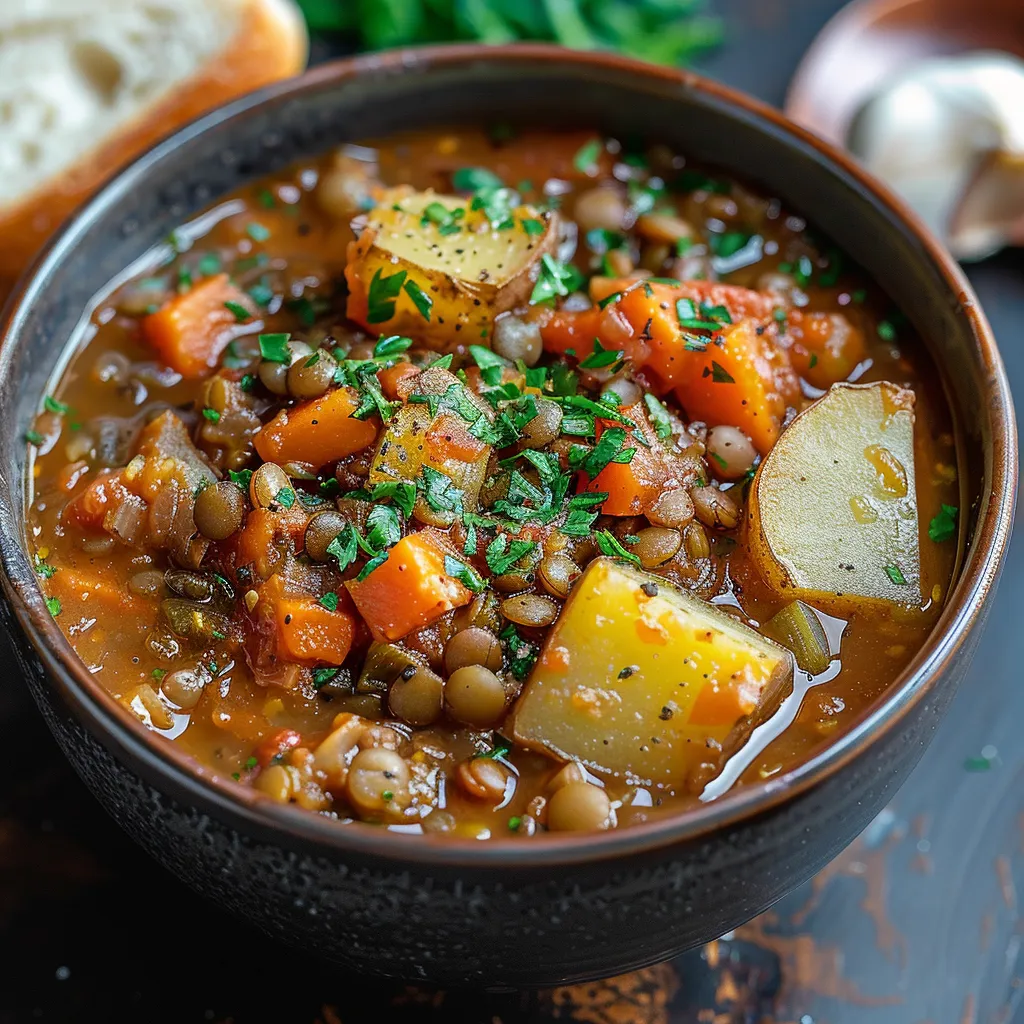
(948, 136)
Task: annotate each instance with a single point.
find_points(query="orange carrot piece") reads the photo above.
(396, 381)
(632, 486)
(82, 593)
(449, 438)
(89, 507)
(825, 347)
(257, 543)
(719, 704)
(306, 631)
(317, 432)
(191, 330)
(410, 590)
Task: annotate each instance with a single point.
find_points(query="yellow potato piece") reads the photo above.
(469, 270)
(833, 510)
(643, 681)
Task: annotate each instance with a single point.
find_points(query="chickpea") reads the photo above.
(472, 646)
(483, 778)
(219, 510)
(600, 208)
(517, 339)
(474, 695)
(580, 807)
(183, 688)
(730, 452)
(378, 782)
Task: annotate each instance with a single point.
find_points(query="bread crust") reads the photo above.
(269, 44)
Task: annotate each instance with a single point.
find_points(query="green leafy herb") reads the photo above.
(50, 404)
(34, 437)
(439, 492)
(158, 673)
(660, 419)
(607, 448)
(492, 366)
(211, 414)
(943, 526)
(53, 606)
(420, 299)
(392, 345)
(554, 279)
(514, 822)
(522, 655)
(330, 601)
(261, 294)
(345, 547)
(601, 357)
(585, 160)
(502, 554)
(274, 348)
(895, 575)
(532, 226)
(382, 295)
(471, 179)
(803, 271)
(401, 492)
(464, 573)
(718, 374)
(209, 264)
(609, 545)
(285, 497)
(886, 331)
(241, 314)
(322, 676)
(689, 318)
(383, 529)
(240, 478)
(43, 569)
(257, 232)
(248, 382)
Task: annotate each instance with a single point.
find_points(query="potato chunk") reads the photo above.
(433, 430)
(646, 682)
(431, 267)
(833, 510)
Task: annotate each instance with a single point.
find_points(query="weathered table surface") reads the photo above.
(917, 922)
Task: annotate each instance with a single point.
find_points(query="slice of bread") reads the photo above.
(86, 85)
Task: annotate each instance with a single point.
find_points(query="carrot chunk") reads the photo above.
(410, 590)
(306, 631)
(449, 438)
(190, 331)
(396, 381)
(317, 432)
(632, 487)
(88, 593)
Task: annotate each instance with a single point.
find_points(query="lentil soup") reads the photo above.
(495, 483)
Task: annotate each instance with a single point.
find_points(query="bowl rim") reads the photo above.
(155, 758)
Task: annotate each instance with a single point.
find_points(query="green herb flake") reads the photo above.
(472, 179)
(554, 279)
(392, 345)
(274, 348)
(660, 418)
(266, 199)
(514, 822)
(248, 382)
(330, 601)
(464, 573)
(886, 331)
(502, 553)
(533, 226)
(211, 414)
(943, 526)
(158, 673)
(34, 437)
(587, 156)
(50, 404)
(53, 606)
(43, 569)
(610, 546)
(209, 264)
(285, 497)
(240, 313)
(420, 299)
(803, 271)
(401, 492)
(601, 357)
(977, 764)
(240, 478)
(895, 575)
(257, 232)
(345, 547)
(382, 294)
(322, 676)
(718, 374)
(261, 294)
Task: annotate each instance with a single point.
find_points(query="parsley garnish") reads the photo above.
(241, 314)
(257, 232)
(522, 655)
(401, 492)
(43, 569)
(439, 492)
(53, 606)
(601, 357)
(492, 366)
(502, 554)
(322, 676)
(382, 295)
(718, 374)
(660, 419)
(943, 526)
(392, 345)
(345, 547)
(886, 331)
(50, 404)
(240, 478)
(274, 348)
(609, 545)
(470, 179)
(690, 319)
(383, 529)
(532, 226)
(34, 437)
(420, 299)
(211, 414)
(330, 601)
(464, 573)
(895, 575)
(285, 497)
(554, 279)
(585, 160)
(158, 673)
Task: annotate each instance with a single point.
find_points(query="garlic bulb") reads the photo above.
(948, 136)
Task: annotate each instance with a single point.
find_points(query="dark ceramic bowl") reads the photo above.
(559, 907)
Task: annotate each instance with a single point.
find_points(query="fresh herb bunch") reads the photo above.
(662, 31)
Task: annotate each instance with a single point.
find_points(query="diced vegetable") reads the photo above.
(191, 330)
(83, 595)
(632, 487)
(306, 632)
(798, 628)
(417, 441)
(384, 664)
(411, 589)
(316, 432)
(258, 544)
(434, 267)
(727, 375)
(826, 347)
(833, 509)
(168, 455)
(640, 679)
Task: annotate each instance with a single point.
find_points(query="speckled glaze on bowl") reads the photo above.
(559, 907)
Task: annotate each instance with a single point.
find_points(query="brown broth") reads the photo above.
(117, 635)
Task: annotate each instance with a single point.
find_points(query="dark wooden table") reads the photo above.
(918, 922)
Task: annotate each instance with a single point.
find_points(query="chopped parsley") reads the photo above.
(330, 601)
(420, 299)
(211, 414)
(660, 418)
(609, 545)
(886, 331)
(601, 357)
(285, 497)
(257, 232)
(521, 654)
(718, 374)
(471, 179)
(554, 279)
(392, 345)
(533, 226)
(383, 528)
(585, 160)
(34, 437)
(690, 318)
(240, 313)
(401, 492)
(43, 569)
(502, 553)
(53, 606)
(240, 478)
(943, 526)
(464, 573)
(895, 575)
(50, 404)
(274, 348)
(383, 292)
(322, 676)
